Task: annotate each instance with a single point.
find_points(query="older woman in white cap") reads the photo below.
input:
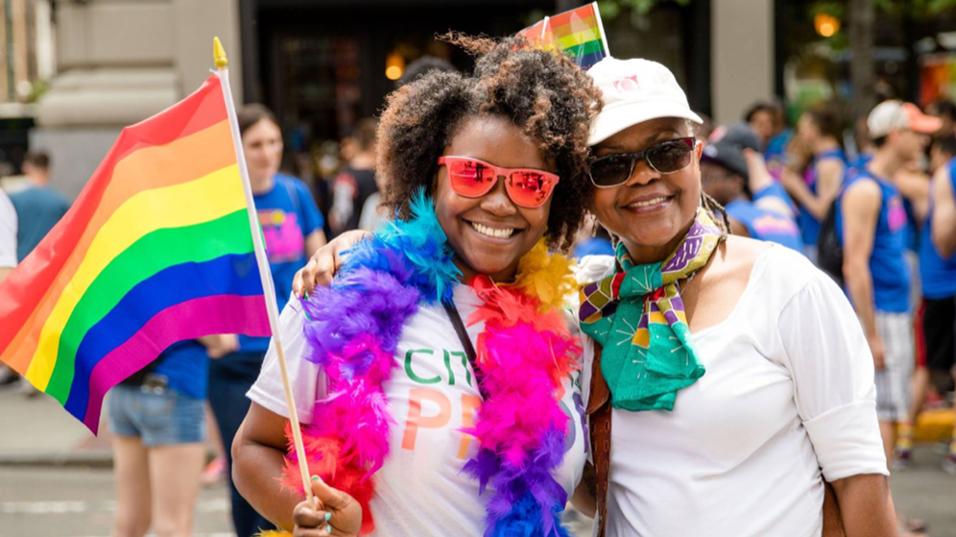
(730, 377)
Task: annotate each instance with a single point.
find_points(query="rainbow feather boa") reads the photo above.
(524, 353)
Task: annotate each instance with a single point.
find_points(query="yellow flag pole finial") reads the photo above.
(219, 54)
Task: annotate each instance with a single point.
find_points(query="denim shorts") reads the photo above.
(159, 417)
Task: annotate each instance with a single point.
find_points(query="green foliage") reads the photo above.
(829, 7)
(919, 9)
(612, 8)
(37, 89)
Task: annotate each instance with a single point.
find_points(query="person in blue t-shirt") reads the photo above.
(819, 128)
(727, 178)
(871, 222)
(292, 226)
(937, 260)
(39, 207)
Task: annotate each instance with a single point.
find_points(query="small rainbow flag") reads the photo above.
(579, 33)
(156, 249)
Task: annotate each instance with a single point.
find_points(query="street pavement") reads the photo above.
(79, 501)
(36, 430)
(56, 480)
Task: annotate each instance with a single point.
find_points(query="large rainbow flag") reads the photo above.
(579, 33)
(156, 249)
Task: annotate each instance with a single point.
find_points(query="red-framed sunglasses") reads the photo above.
(473, 178)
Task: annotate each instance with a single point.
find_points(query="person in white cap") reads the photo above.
(733, 384)
(730, 377)
(871, 221)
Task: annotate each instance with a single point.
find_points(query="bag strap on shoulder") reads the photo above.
(599, 416)
(456, 321)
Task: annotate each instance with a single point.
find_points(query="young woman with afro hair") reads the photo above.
(437, 378)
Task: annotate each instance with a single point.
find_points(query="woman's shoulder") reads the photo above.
(774, 270)
(293, 186)
(738, 253)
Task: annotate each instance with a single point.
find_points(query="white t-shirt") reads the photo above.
(8, 232)
(372, 215)
(421, 490)
(788, 395)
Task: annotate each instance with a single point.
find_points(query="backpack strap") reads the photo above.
(599, 415)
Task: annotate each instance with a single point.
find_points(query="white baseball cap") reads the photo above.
(635, 91)
(889, 116)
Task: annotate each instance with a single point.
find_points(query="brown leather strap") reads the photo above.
(599, 414)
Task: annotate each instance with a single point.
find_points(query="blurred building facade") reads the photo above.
(118, 62)
(26, 59)
(320, 64)
(82, 69)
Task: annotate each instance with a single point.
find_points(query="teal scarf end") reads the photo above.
(654, 393)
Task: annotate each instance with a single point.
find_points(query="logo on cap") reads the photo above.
(626, 84)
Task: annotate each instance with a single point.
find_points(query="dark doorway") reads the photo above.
(322, 65)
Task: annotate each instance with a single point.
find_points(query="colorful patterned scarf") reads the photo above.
(647, 363)
(524, 352)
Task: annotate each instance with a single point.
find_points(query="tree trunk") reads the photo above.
(862, 68)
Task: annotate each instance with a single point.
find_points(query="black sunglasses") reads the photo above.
(666, 157)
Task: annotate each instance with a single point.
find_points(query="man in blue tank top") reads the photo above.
(872, 224)
(727, 177)
(820, 129)
(937, 260)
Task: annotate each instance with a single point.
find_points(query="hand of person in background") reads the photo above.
(220, 345)
(333, 513)
(791, 181)
(758, 175)
(759, 178)
(878, 351)
(325, 262)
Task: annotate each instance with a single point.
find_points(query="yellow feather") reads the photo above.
(546, 276)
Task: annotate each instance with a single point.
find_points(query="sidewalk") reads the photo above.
(37, 431)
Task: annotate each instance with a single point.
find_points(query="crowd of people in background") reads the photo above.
(878, 191)
(876, 211)
(871, 200)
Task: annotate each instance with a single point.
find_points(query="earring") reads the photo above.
(592, 222)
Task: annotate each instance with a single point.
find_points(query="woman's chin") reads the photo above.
(658, 237)
(496, 271)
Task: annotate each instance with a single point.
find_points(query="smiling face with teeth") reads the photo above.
(651, 212)
(490, 234)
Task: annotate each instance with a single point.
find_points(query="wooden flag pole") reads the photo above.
(603, 36)
(265, 273)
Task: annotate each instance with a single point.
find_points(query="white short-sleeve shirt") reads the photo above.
(787, 400)
(8, 232)
(421, 490)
